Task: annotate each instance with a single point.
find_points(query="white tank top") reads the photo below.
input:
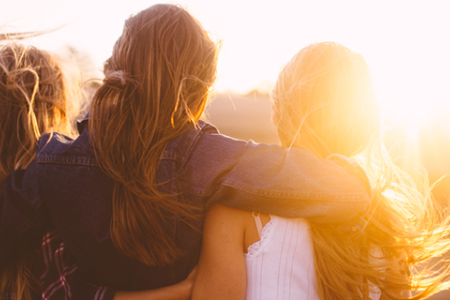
(281, 265)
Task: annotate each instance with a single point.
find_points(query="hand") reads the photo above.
(187, 284)
(178, 291)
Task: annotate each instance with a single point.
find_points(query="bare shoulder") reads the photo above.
(221, 211)
(223, 216)
(238, 225)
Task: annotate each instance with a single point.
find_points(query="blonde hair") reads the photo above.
(324, 103)
(33, 100)
(155, 88)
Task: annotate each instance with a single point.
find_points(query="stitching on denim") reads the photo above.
(191, 139)
(198, 134)
(194, 140)
(276, 194)
(67, 160)
(189, 189)
(196, 192)
(171, 156)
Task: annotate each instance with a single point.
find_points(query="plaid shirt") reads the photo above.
(60, 277)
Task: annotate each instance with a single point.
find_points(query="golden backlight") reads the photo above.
(405, 44)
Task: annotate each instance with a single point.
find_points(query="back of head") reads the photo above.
(324, 101)
(155, 88)
(164, 63)
(32, 101)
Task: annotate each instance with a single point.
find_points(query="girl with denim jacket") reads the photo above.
(324, 103)
(35, 98)
(128, 195)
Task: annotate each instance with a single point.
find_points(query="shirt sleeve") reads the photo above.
(61, 277)
(269, 179)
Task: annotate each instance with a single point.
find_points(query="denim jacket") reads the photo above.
(200, 167)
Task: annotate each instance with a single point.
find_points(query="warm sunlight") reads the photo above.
(207, 149)
(404, 46)
(403, 42)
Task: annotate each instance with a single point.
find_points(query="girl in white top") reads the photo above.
(324, 103)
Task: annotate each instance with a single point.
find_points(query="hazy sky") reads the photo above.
(406, 43)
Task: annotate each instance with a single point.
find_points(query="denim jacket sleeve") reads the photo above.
(23, 218)
(266, 178)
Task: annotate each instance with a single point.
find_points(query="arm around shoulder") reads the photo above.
(286, 182)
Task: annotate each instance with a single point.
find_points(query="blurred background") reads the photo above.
(405, 43)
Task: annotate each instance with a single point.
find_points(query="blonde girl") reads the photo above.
(324, 103)
(33, 100)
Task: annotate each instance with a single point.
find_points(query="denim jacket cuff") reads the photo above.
(352, 167)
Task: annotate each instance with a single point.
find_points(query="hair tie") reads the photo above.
(119, 80)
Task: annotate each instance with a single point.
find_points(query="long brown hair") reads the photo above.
(155, 88)
(324, 103)
(33, 101)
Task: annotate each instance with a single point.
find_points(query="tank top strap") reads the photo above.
(258, 223)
